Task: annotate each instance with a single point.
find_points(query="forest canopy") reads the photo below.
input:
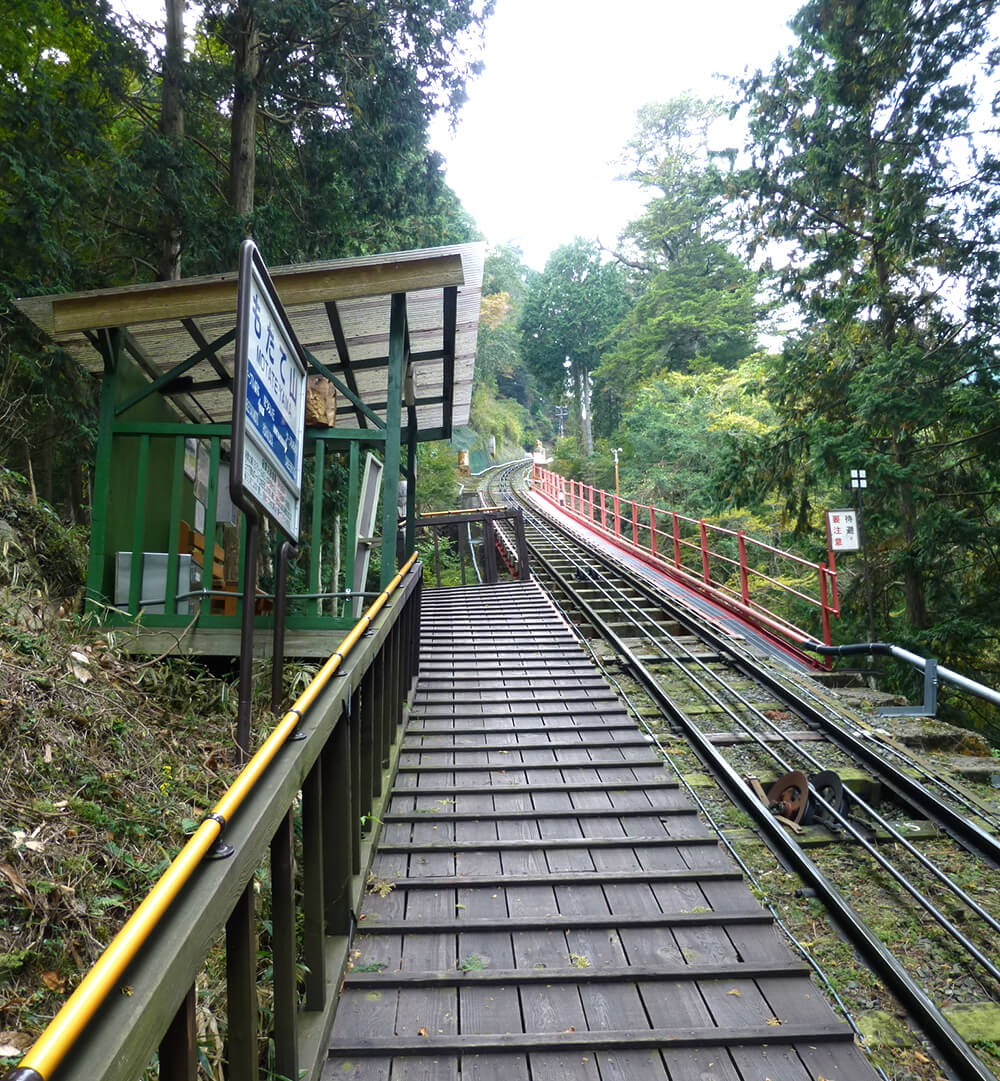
(814, 293)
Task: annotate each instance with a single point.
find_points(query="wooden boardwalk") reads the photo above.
(546, 904)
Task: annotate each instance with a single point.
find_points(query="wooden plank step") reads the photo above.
(540, 844)
(565, 878)
(541, 786)
(414, 728)
(558, 922)
(500, 767)
(600, 1040)
(532, 814)
(736, 970)
(410, 746)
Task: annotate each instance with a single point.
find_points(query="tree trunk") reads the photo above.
(913, 577)
(168, 264)
(246, 63)
(588, 431)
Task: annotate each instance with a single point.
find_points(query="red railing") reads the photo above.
(694, 551)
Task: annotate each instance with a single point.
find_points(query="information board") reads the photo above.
(842, 530)
(269, 401)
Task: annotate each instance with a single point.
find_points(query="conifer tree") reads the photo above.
(867, 191)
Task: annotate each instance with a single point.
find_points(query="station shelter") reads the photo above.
(391, 343)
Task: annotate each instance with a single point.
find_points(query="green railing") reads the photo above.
(321, 773)
(154, 561)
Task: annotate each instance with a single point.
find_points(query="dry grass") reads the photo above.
(104, 767)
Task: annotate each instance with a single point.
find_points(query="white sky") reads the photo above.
(534, 156)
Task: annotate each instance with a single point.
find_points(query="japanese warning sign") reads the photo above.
(269, 400)
(842, 531)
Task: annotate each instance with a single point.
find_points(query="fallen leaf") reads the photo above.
(570, 1029)
(773, 1021)
(738, 994)
(13, 876)
(79, 666)
(14, 1043)
(54, 982)
(421, 1031)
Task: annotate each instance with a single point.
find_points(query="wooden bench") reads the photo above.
(193, 542)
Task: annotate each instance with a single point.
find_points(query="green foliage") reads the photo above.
(698, 304)
(437, 477)
(672, 434)
(507, 402)
(568, 310)
(865, 168)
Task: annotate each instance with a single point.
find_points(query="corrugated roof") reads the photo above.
(166, 323)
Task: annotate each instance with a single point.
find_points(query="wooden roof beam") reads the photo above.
(158, 302)
(333, 315)
(450, 331)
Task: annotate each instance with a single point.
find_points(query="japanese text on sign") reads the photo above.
(842, 530)
(275, 389)
(269, 408)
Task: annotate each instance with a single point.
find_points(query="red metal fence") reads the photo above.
(745, 575)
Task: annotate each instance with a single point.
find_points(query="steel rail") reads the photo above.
(844, 822)
(907, 789)
(724, 840)
(925, 1012)
(45, 1055)
(956, 1050)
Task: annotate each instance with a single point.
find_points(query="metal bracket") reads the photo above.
(929, 707)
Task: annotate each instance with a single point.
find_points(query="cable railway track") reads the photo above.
(926, 849)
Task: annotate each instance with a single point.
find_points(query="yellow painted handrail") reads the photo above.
(58, 1038)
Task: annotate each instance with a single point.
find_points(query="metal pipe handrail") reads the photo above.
(980, 690)
(610, 523)
(58, 1038)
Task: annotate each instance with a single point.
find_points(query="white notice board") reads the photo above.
(270, 401)
(842, 531)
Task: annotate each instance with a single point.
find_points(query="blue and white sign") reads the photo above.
(271, 399)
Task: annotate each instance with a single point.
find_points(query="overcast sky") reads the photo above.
(534, 158)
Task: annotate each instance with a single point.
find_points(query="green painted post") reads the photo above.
(316, 527)
(241, 989)
(286, 1062)
(111, 344)
(393, 416)
(353, 489)
(135, 597)
(338, 834)
(313, 901)
(367, 744)
(176, 482)
(411, 491)
(354, 818)
(211, 506)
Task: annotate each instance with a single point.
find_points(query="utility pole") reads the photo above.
(859, 482)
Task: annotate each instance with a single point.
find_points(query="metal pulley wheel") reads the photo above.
(789, 795)
(830, 787)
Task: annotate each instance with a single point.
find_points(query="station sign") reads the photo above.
(842, 531)
(269, 399)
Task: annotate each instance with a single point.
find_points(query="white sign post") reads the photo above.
(842, 531)
(270, 398)
(269, 410)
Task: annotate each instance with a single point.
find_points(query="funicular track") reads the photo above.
(545, 901)
(744, 715)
